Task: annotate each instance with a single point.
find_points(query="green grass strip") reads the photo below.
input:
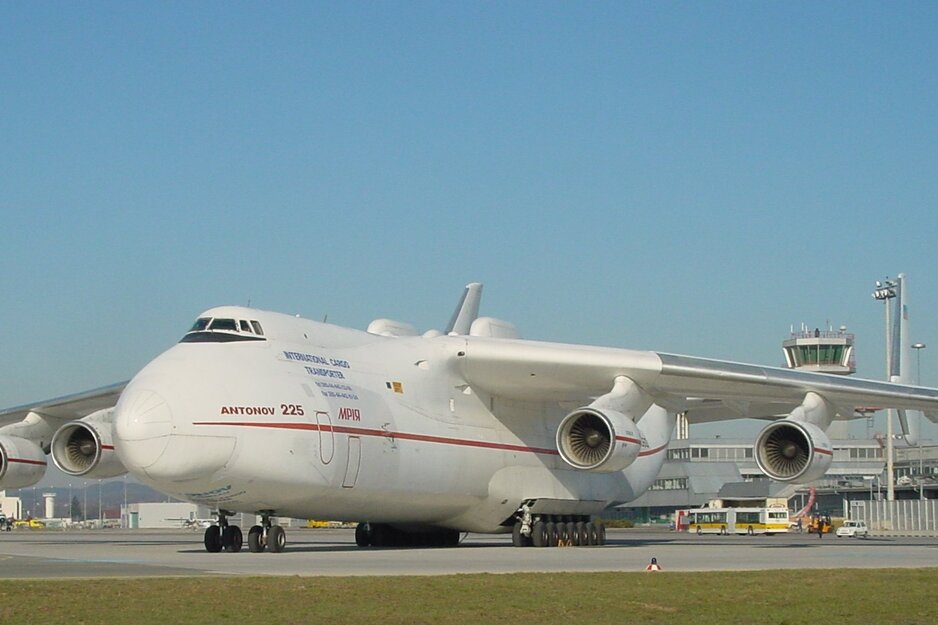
(906, 596)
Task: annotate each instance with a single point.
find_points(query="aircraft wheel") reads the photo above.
(362, 535)
(256, 539)
(553, 536)
(539, 534)
(232, 539)
(517, 538)
(601, 532)
(276, 539)
(592, 533)
(583, 537)
(572, 537)
(212, 539)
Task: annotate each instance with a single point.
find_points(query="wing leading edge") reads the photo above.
(74, 406)
(533, 370)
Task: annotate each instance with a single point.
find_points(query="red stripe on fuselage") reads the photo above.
(828, 452)
(425, 438)
(652, 452)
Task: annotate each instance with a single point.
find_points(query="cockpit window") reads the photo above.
(215, 330)
(200, 324)
(224, 324)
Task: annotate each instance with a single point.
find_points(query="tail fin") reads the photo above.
(467, 311)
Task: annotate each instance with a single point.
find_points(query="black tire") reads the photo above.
(593, 534)
(570, 529)
(749, 531)
(232, 539)
(212, 539)
(517, 538)
(539, 534)
(553, 536)
(699, 531)
(362, 535)
(449, 538)
(582, 534)
(256, 539)
(601, 534)
(276, 539)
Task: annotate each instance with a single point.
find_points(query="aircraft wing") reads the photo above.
(69, 407)
(529, 370)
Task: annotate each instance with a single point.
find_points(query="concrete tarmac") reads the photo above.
(332, 552)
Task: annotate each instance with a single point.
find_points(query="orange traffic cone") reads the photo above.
(653, 565)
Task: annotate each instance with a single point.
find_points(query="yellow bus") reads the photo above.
(737, 520)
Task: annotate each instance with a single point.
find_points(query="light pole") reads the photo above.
(918, 347)
(885, 291)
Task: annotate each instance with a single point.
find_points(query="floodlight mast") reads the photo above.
(885, 291)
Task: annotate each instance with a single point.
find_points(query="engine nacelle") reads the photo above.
(22, 462)
(793, 451)
(84, 449)
(598, 440)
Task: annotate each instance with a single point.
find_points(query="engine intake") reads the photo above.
(84, 449)
(598, 440)
(22, 462)
(793, 451)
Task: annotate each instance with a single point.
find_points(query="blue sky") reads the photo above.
(687, 177)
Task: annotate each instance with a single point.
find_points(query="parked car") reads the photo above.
(853, 529)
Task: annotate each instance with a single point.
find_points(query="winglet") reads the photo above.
(467, 310)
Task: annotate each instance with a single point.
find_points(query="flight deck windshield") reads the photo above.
(223, 330)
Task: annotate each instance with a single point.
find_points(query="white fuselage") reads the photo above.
(317, 421)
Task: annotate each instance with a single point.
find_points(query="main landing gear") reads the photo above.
(260, 537)
(548, 530)
(382, 535)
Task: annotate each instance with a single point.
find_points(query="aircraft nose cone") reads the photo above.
(142, 427)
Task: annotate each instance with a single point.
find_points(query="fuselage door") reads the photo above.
(354, 461)
(326, 437)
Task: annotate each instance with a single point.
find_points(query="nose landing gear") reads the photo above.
(266, 535)
(225, 536)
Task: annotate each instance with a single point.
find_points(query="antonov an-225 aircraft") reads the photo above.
(418, 437)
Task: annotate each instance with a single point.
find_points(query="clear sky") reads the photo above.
(688, 177)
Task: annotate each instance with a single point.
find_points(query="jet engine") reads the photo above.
(22, 462)
(598, 440)
(84, 448)
(793, 451)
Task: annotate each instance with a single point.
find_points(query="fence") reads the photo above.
(912, 516)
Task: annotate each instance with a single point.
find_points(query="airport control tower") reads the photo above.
(822, 351)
